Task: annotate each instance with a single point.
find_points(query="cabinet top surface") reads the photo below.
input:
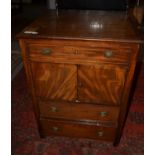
(82, 25)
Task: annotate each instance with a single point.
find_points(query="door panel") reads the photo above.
(101, 84)
(55, 81)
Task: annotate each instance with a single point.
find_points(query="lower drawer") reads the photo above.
(75, 129)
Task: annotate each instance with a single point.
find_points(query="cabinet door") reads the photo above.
(101, 84)
(55, 81)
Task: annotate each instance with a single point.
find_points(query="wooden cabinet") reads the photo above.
(80, 76)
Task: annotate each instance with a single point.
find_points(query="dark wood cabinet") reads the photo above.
(80, 67)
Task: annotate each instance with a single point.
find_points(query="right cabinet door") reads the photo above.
(102, 84)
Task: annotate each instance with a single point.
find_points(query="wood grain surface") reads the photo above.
(55, 81)
(80, 67)
(75, 129)
(83, 25)
(101, 84)
(78, 111)
(79, 54)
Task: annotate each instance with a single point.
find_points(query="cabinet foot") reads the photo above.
(42, 135)
(116, 142)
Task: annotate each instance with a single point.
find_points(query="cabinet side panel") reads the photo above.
(31, 89)
(125, 96)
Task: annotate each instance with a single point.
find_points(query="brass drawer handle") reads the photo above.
(54, 109)
(46, 51)
(100, 133)
(103, 113)
(77, 101)
(55, 128)
(108, 54)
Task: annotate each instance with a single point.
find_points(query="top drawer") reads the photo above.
(71, 54)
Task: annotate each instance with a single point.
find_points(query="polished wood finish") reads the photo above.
(53, 81)
(79, 53)
(78, 112)
(74, 129)
(80, 67)
(101, 84)
(83, 25)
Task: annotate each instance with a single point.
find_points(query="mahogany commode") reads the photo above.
(80, 67)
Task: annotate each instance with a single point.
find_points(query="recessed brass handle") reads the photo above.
(104, 113)
(108, 54)
(55, 128)
(100, 133)
(46, 51)
(54, 109)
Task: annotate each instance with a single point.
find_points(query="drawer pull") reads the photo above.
(100, 133)
(103, 113)
(77, 101)
(46, 51)
(54, 109)
(108, 54)
(55, 128)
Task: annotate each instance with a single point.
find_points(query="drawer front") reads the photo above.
(74, 129)
(101, 55)
(45, 51)
(79, 55)
(75, 111)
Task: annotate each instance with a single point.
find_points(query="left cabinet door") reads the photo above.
(55, 81)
